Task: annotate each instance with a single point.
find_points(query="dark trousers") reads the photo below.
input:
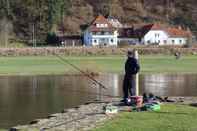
(128, 87)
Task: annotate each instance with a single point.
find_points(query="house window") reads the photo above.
(95, 41)
(106, 33)
(158, 41)
(112, 40)
(148, 41)
(173, 41)
(157, 35)
(98, 33)
(180, 41)
(97, 25)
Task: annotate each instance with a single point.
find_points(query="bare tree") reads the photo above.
(5, 32)
(8, 7)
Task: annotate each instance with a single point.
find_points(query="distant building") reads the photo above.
(127, 36)
(74, 40)
(158, 35)
(152, 34)
(100, 33)
(178, 36)
(69, 40)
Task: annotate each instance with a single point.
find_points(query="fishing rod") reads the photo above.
(93, 93)
(82, 72)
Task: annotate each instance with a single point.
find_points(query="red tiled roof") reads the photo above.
(146, 28)
(152, 27)
(177, 32)
(100, 20)
(173, 32)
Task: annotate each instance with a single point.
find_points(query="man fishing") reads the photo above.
(131, 68)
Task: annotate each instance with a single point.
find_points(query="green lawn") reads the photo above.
(113, 64)
(170, 118)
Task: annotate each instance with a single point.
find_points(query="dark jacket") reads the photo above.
(131, 66)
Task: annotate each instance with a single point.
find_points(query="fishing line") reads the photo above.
(81, 71)
(93, 93)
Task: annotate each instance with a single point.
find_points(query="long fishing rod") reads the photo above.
(93, 93)
(84, 73)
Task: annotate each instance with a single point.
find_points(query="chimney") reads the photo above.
(179, 27)
(188, 29)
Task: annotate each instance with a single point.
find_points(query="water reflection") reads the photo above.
(170, 84)
(24, 98)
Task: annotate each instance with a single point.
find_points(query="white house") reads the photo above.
(100, 33)
(178, 36)
(156, 34)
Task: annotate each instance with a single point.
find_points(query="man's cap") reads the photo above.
(130, 53)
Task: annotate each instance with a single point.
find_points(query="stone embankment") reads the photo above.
(92, 51)
(87, 117)
(83, 118)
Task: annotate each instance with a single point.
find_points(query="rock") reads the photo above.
(13, 129)
(34, 122)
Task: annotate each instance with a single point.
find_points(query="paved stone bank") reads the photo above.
(86, 117)
(83, 118)
(91, 51)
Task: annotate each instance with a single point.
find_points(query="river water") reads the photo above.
(25, 98)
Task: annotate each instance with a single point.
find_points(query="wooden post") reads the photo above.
(136, 55)
(73, 43)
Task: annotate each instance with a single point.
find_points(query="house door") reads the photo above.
(104, 42)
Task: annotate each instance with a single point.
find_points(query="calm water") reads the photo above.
(24, 98)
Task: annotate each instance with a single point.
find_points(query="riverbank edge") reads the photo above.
(86, 117)
(94, 51)
(97, 73)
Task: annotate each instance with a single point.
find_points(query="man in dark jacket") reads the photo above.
(131, 68)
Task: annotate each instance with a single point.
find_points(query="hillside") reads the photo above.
(23, 20)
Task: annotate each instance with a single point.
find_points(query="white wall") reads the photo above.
(95, 40)
(131, 41)
(162, 38)
(177, 41)
(156, 36)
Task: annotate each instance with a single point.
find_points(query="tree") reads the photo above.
(5, 32)
(57, 10)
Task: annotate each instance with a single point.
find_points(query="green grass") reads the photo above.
(111, 64)
(168, 64)
(170, 118)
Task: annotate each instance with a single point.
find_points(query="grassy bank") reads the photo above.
(40, 65)
(170, 118)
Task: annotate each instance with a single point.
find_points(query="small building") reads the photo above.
(100, 33)
(178, 36)
(127, 36)
(74, 40)
(153, 34)
(159, 35)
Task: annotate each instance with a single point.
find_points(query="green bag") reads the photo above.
(152, 107)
